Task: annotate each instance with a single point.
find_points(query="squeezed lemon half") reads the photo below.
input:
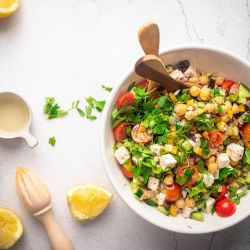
(11, 228)
(8, 7)
(87, 201)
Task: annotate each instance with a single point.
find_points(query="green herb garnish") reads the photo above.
(109, 89)
(52, 141)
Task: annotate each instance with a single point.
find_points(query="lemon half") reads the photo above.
(87, 201)
(8, 7)
(11, 228)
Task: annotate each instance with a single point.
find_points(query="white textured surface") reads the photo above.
(67, 49)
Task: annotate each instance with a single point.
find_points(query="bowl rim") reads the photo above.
(102, 137)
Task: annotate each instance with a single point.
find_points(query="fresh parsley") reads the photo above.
(52, 109)
(109, 89)
(197, 189)
(224, 172)
(52, 141)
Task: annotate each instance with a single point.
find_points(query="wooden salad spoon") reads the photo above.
(149, 38)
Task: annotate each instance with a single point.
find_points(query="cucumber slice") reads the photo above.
(162, 210)
(187, 146)
(242, 100)
(247, 180)
(244, 92)
(197, 216)
(139, 193)
(151, 201)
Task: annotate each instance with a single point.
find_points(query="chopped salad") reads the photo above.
(186, 152)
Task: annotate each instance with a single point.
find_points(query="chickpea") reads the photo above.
(223, 110)
(212, 167)
(219, 80)
(190, 202)
(228, 105)
(203, 79)
(234, 184)
(168, 180)
(235, 109)
(234, 163)
(193, 79)
(180, 203)
(209, 108)
(219, 99)
(224, 118)
(189, 115)
(204, 93)
(180, 109)
(194, 91)
(222, 126)
(211, 159)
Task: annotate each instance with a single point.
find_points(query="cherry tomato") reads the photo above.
(246, 131)
(227, 85)
(181, 172)
(235, 89)
(215, 138)
(125, 99)
(225, 208)
(127, 173)
(173, 192)
(120, 131)
(223, 190)
(141, 135)
(143, 83)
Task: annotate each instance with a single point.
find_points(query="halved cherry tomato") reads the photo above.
(181, 172)
(223, 190)
(143, 83)
(120, 131)
(227, 85)
(215, 138)
(125, 99)
(235, 89)
(225, 207)
(246, 131)
(127, 173)
(141, 135)
(173, 192)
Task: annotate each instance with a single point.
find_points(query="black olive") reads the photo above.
(167, 205)
(211, 83)
(183, 65)
(160, 88)
(191, 135)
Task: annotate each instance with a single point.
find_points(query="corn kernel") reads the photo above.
(230, 113)
(205, 135)
(247, 144)
(198, 150)
(190, 102)
(222, 126)
(241, 108)
(172, 97)
(170, 141)
(173, 210)
(173, 136)
(173, 127)
(174, 150)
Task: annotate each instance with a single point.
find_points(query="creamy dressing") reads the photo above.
(14, 113)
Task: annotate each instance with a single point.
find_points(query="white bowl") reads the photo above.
(204, 58)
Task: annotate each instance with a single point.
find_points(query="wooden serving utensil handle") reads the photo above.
(57, 238)
(149, 37)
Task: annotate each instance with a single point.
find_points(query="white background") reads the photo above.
(67, 49)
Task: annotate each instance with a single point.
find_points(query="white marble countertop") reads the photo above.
(67, 49)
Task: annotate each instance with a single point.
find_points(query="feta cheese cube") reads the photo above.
(186, 212)
(153, 183)
(177, 75)
(208, 180)
(209, 204)
(223, 160)
(235, 151)
(167, 161)
(184, 193)
(161, 198)
(156, 149)
(122, 155)
(191, 71)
